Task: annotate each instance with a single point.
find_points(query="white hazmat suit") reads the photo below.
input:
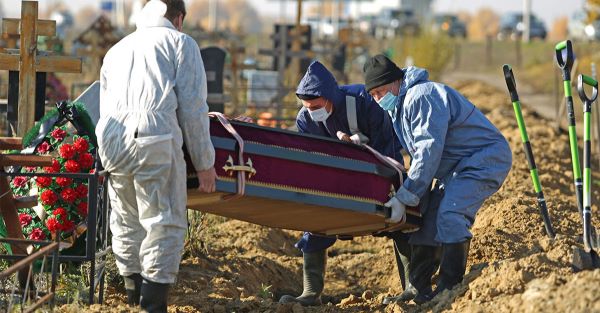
(152, 99)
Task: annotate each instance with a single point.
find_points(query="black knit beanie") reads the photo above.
(379, 71)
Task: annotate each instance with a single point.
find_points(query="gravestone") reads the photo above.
(263, 87)
(91, 99)
(214, 65)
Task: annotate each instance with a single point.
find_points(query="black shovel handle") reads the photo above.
(509, 77)
(562, 63)
(587, 80)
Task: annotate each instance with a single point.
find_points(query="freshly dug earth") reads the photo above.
(232, 266)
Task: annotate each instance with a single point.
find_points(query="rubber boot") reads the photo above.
(423, 264)
(154, 297)
(452, 268)
(133, 287)
(313, 279)
(402, 250)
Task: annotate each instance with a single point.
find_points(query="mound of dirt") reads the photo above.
(513, 266)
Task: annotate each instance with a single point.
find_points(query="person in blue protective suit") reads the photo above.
(450, 140)
(348, 113)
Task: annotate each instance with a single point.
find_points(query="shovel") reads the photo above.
(537, 186)
(589, 259)
(565, 65)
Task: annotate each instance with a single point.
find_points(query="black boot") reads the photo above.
(423, 264)
(154, 297)
(452, 267)
(402, 250)
(313, 282)
(133, 287)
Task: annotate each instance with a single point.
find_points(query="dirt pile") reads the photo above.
(512, 265)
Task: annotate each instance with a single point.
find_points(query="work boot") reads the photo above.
(452, 268)
(154, 297)
(313, 279)
(402, 250)
(133, 287)
(423, 264)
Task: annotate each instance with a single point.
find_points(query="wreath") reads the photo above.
(67, 134)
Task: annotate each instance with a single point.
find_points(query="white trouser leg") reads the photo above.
(127, 232)
(161, 200)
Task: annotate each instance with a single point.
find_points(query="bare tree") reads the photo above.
(484, 23)
(235, 15)
(559, 28)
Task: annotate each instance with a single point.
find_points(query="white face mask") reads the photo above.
(319, 115)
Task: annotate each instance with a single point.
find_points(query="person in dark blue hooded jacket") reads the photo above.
(325, 112)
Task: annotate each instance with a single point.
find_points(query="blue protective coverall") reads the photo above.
(449, 139)
(372, 121)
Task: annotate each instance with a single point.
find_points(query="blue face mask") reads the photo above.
(388, 102)
(319, 115)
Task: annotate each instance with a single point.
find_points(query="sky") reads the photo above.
(547, 10)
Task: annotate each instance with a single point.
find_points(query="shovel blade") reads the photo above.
(583, 260)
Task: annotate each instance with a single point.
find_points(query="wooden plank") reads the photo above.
(11, 26)
(9, 62)
(57, 63)
(29, 15)
(11, 143)
(10, 216)
(26, 202)
(51, 63)
(25, 160)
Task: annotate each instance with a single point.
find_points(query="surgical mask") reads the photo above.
(319, 115)
(388, 102)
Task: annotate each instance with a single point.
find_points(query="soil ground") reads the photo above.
(232, 266)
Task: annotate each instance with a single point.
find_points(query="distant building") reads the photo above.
(421, 8)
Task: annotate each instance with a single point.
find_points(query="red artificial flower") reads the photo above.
(56, 165)
(82, 209)
(58, 134)
(86, 161)
(69, 195)
(37, 234)
(68, 226)
(43, 181)
(20, 181)
(60, 214)
(66, 151)
(48, 197)
(29, 168)
(24, 219)
(55, 168)
(43, 147)
(81, 145)
(82, 191)
(52, 224)
(64, 181)
(72, 167)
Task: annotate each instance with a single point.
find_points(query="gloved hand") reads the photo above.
(398, 210)
(343, 136)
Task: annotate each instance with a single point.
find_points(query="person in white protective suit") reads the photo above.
(152, 100)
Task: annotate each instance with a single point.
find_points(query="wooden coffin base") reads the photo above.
(284, 214)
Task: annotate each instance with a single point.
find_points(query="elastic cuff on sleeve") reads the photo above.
(407, 197)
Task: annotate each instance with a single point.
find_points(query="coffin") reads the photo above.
(298, 182)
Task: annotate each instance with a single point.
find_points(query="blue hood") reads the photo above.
(412, 76)
(318, 81)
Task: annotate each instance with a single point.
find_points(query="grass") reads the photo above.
(265, 291)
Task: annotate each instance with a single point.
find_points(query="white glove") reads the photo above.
(398, 211)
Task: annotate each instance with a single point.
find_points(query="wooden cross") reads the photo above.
(27, 61)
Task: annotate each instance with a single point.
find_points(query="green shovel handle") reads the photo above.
(587, 80)
(509, 77)
(562, 63)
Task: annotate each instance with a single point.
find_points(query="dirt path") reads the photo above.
(513, 267)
